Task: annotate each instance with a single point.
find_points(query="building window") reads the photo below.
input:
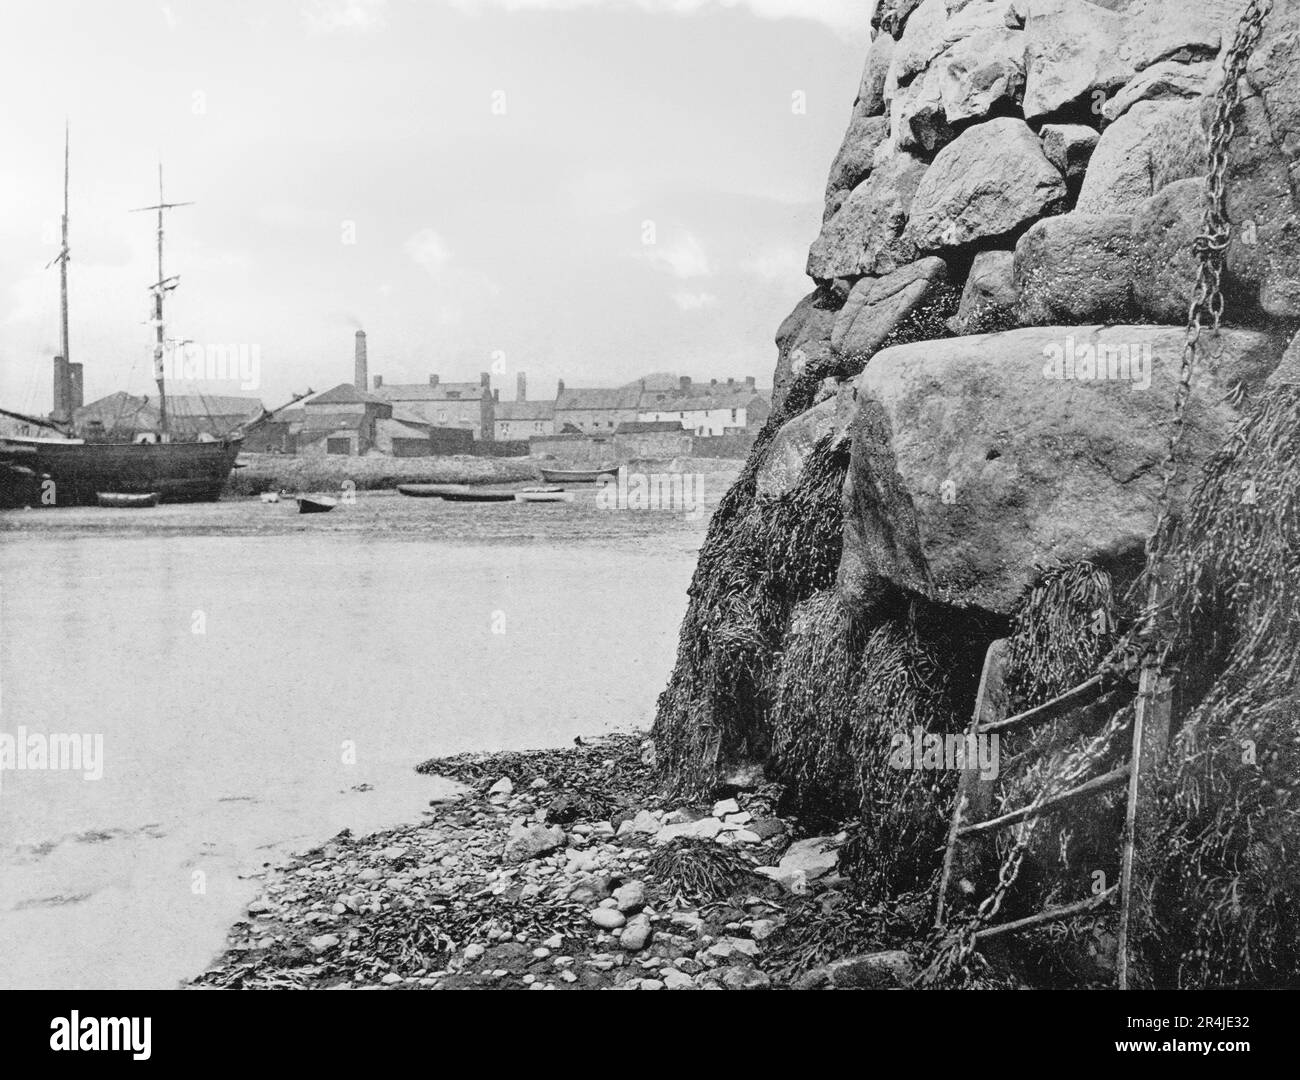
(338, 446)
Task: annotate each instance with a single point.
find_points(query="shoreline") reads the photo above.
(560, 869)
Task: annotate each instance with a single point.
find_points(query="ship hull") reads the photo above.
(178, 472)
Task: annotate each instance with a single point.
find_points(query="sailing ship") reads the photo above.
(62, 469)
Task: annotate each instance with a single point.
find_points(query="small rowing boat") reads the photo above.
(576, 476)
(471, 495)
(316, 504)
(122, 500)
(429, 491)
(543, 495)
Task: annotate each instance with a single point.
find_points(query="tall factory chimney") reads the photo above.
(361, 381)
(62, 390)
(75, 388)
(521, 387)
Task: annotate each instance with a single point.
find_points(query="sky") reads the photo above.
(581, 189)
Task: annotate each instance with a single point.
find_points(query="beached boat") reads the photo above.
(429, 491)
(576, 476)
(543, 495)
(64, 470)
(472, 495)
(126, 500)
(316, 504)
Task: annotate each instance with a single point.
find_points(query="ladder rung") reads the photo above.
(1100, 783)
(1049, 916)
(1050, 710)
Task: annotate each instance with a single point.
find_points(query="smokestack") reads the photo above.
(76, 388)
(379, 381)
(521, 387)
(362, 380)
(61, 389)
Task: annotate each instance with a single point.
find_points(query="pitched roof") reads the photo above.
(464, 391)
(602, 397)
(345, 394)
(212, 405)
(323, 423)
(396, 429)
(525, 410)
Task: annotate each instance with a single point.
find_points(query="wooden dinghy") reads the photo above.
(123, 500)
(575, 476)
(543, 495)
(429, 491)
(472, 495)
(316, 504)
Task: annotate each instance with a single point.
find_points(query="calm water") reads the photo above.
(261, 680)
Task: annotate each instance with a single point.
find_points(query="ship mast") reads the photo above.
(159, 288)
(63, 278)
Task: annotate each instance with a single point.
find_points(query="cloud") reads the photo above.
(842, 16)
(329, 16)
(427, 249)
(684, 257)
(688, 301)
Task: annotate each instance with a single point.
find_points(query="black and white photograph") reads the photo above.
(661, 495)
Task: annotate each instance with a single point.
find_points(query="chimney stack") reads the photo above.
(75, 388)
(362, 380)
(485, 378)
(379, 381)
(433, 380)
(62, 392)
(559, 389)
(749, 382)
(521, 387)
(496, 395)
(731, 383)
(684, 382)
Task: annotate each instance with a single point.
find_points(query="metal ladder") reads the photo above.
(972, 827)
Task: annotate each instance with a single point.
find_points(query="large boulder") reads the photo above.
(1069, 147)
(989, 182)
(1264, 168)
(1075, 269)
(1167, 79)
(978, 460)
(1074, 50)
(865, 235)
(871, 91)
(856, 158)
(876, 306)
(990, 295)
(1151, 145)
(966, 81)
(784, 460)
(803, 341)
(1164, 268)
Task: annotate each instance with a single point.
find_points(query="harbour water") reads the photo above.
(262, 680)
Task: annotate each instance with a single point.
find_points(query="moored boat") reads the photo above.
(576, 476)
(430, 491)
(471, 495)
(125, 500)
(543, 495)
(316, 504)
